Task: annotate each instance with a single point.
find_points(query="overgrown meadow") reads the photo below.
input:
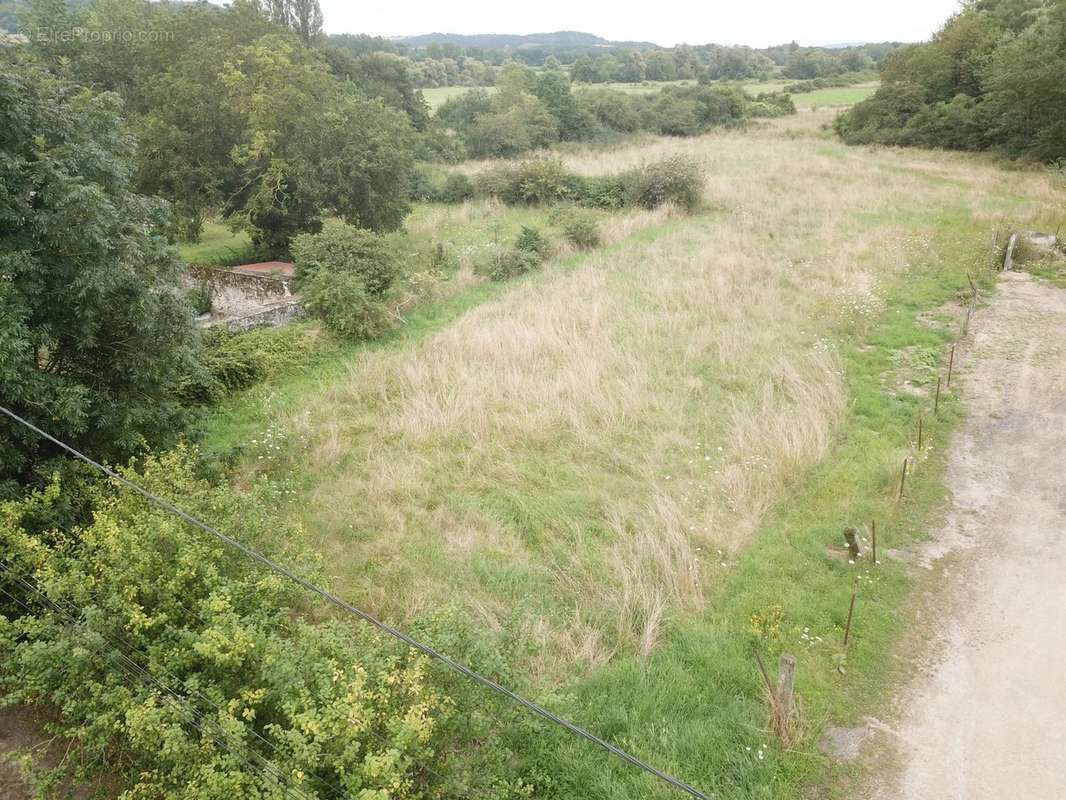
(634, 466)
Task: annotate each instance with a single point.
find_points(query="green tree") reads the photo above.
(95, 335)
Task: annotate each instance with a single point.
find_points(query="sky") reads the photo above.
(758, 23)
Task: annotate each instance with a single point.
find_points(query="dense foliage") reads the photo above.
(452, 64)
(676, 179)
(534, 110)
(344, 274)
(236, 113)
(993, 78)
(179, 668)
(95, 335)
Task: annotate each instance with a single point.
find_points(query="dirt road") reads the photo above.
(989, 718)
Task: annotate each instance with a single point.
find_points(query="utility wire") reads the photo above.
(339, 602)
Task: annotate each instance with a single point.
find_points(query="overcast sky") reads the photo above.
(758, 23)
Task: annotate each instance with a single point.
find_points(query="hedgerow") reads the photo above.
(178, 668)
(676, 179)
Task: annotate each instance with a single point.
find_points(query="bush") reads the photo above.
(605, 191)
(457, 188)
(247, 695)
(502, 264)
(772, 104)
(677, 179)
(341, 248)
(582, 231)
(532, 241)
(200, 299)
(534, 182)
(233, 361)
(343, 302)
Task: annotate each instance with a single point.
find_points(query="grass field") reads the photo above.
(217, 245)
(631, 465)
(835, 97)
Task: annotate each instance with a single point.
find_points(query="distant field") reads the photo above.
(837, 96)
(217, 244)
(437, 96)
(834, 96)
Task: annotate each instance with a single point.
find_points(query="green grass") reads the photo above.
(694, 708)
(836, 96)
(217, 245)
(436, 96)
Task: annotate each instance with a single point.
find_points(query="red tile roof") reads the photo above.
(281, 269)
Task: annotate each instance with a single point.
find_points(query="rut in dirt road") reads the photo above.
(989, 722)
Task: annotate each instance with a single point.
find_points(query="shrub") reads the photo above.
(200, 299)
(343, 302)
(420, 186)
(457, 188)
(532, 241)
(246, 695)
(341, 248)
(582, 230)
(606, 191)
(534, 182)
(677, 179)
(502, 264)
(233, 361)
(772, 104)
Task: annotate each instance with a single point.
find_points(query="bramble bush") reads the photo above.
(232, 361)
(537, 181)
(343, 274)
(342, 301)
(247, 697)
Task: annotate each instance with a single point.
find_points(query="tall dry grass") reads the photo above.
(595, 445)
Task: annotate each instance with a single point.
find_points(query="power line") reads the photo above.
(339, 602)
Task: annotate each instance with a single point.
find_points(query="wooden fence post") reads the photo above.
(851, 611)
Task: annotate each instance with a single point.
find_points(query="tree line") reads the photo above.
(993, 78)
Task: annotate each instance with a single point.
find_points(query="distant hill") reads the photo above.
(559, 40)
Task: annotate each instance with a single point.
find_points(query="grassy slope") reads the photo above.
(693, 706)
